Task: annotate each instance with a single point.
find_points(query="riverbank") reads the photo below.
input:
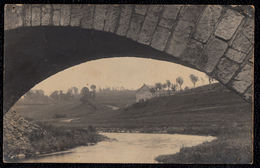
(24, 139)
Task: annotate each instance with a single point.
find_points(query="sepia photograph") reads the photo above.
(157, 84)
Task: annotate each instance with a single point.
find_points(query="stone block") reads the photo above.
(207, 23)
(190, 13)
(56, 18)
(160, 38)
(192, 52)
(249, 94)
(135, 26)
(36, 15)
(170, 13)
(87, 18)
(154, 9)
(65, 15)
(76, 15)
(212, 54)
(225, 70)
(241, 43)
(124, 20)
(13, 16)
(46, 15)
(27, 15)
(244, 79)
(140, 9)
(228, 24)
(99, 17)
(248, 29)
(148, 28)
(235, 55)
(251, 56)
(56, 7)
(179, 38)
(111, 18)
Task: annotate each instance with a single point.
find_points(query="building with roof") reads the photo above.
(144, 93)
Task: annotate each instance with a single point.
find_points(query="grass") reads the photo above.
(60, 138)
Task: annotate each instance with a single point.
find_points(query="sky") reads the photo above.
(127, 72)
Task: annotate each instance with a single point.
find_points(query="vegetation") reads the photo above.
(194, 79)
(180, 81)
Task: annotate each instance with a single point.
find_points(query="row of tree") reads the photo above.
(174, 86)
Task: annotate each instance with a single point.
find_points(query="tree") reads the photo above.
(193, 79)
(186, 88)
(84, 91)
(168, 82)
(55, 95)
(158, 86)
(164, 86)
(152, 90)
(93, 87)
(180, 81)
(210, 80)
(174, 87)
(29, 96)
(75, 90)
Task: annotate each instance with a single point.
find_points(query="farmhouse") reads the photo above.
(143, 93)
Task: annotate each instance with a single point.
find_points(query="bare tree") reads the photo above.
(180, 81)
(93, 87)
(193, 79)
(174, 87)
(169, 86)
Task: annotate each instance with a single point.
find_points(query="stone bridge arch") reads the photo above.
(217, 40)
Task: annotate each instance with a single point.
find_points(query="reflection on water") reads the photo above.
(129, 148)
(114, 108)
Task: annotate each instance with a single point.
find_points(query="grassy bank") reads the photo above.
(61, 138)
(233, 146)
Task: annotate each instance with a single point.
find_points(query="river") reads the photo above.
(127, 148)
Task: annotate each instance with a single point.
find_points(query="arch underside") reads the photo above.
(37, 48)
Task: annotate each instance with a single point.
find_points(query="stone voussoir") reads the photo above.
(134, 26)
(76, 15)
(248, 29)
(243, 79)
(56, 16)
(192, 52)
(207, 23)
(87, 18)
(212, 54)
(13, 16)
(65, 15)
(241, 43)
(99, 17)
(169, 15)
(111, 18)
(228, 24)
(235, 55)
(36, 15)
(140, 9)
(249, 94)
(46, 15)
(124, 20)
(160, 38)
(27, 15)
(226, 70)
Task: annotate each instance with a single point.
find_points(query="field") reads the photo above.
(206, 110)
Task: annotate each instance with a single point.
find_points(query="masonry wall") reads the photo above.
(216, 39)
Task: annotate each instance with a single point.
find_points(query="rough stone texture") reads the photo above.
(192, 51)
(99, 17)
(155, 9)
(249, 94)
(46, 15)
(170, 13)
(235, 55)
(225, 70)
(190, 13)
(188, 17)
(87, 16)
(65, 15)
(248, 29)
(212, 54)
(179, 38)
(76, 15)
(135, 26)
(244, 79)
(124, 20)
(241, 43)
(251, 56)
(140, 9)
(16, 133)
(56, 18)
(13, 16)
(111, 18)
(147, 29)
(160, 38)
(207, 23)
(228, 24)
(27, 15)
(36, 15)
